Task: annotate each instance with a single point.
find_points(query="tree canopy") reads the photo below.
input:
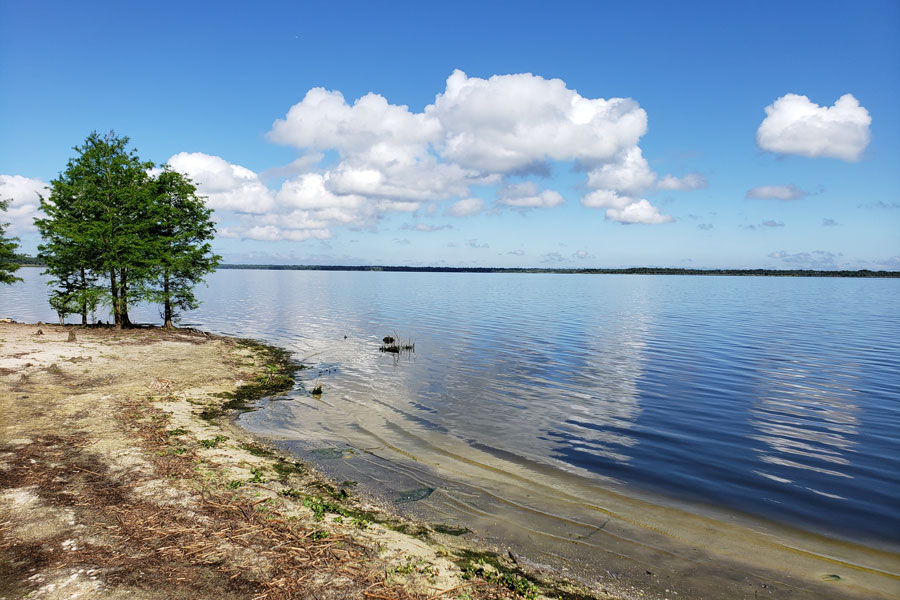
(116, 232)
(8, 245)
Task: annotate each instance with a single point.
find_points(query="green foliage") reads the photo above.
(181, 232)
(8, 245)
(114, 234)
(213, 442)
(257, 473)
(493, 573)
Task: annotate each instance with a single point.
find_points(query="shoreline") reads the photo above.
(171, 396)
(122, 474)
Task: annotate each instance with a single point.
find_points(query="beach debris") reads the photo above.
(394, 345)
(413, 495)
(6, 321)
(157, 384)
(317, 390)
(71, 336)
(831, 577)
(39, 332)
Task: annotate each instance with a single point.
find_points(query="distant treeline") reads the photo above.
(25, 260)
(631, 271)
(28, 261)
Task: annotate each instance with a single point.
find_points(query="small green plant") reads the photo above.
(292, 493)
(177, 432)
(316, 506)
(212, 443)
(320, 535)
(235, 484)
(494, 572)
(178, 451)
(257, 475)
(415, 565)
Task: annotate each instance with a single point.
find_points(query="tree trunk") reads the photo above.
(84, 320)
(123, 298)
(114, 291)
(167, 303)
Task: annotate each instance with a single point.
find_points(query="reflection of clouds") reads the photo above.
(517, 383)
(596, 427)
(805, 422)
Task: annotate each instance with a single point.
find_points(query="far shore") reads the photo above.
(851, 273)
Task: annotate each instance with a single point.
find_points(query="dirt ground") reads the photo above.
(122, 476)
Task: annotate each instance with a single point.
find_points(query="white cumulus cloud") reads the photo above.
(508, 123)
(628, 172)
(638, 212)
(477, 132)
(796, 125)
(226, 186)
(24, 201)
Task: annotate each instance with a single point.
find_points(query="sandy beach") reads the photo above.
(122, 475)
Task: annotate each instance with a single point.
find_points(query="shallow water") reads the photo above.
(769, 398)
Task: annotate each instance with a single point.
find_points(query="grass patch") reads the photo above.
(257, 450)
(449, 529)
(213, 442)
(490, 568)
(284, 469)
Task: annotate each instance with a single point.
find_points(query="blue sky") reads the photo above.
(489, 134)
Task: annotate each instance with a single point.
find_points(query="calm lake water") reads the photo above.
(772, 397)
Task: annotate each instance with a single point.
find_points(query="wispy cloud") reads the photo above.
(817, 259)
(691, 181)
(777, 192)
(473, 243)
(880, 205)
(424, 227)
(766, 224)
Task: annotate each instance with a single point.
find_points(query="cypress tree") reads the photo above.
(181, 252)
(98, 226)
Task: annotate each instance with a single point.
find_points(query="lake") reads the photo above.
(551, 402)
